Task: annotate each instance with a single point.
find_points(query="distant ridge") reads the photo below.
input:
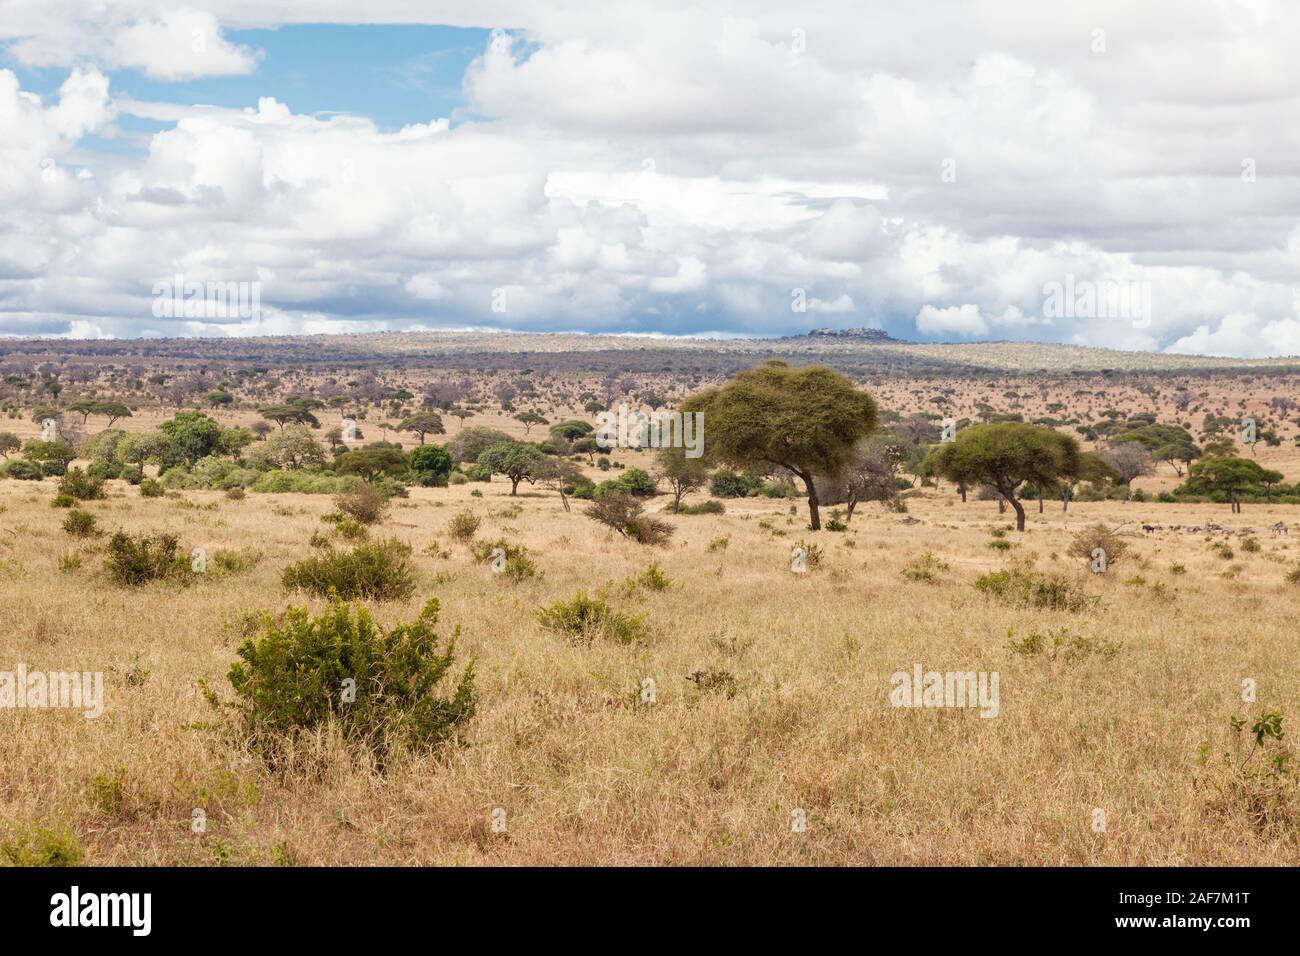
(846, 348)
(857, 334)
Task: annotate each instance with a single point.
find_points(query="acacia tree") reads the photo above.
(422, 423)
(112, 411)
(517, 460)
(1005, 455)
(682, 474)
(805, 420)
(530, 419)
(1231, 477)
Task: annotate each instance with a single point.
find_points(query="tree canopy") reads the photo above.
(1005, 455)
(806, 420)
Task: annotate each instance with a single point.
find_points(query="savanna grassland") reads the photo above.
(770, 693)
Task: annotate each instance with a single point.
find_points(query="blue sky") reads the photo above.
(691, 168)
(394, 74)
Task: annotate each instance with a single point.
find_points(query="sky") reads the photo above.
(1108, 174)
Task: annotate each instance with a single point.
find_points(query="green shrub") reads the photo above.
(711, 506)
(134, 560)
(80, 524)
(104, 470)
(81, 486)
(583, 618)
(728, 484)
(149, 488)
(227, 562)
(652, 579)
(63, 501)
(925, 568)
(43, 846)
(378, 571)
(53, 468)
(520, 567)
(1024, 587)
(132, 474)
(478, 473)
(23, 470)
(349, 529)
(463, 526)
(380, 686)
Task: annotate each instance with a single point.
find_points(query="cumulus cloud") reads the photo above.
(180, 45)
(957, 320)
(680, 167)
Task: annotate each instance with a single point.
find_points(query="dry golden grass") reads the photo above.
(589, 774)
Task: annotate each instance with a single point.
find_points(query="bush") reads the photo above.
(1097, 536)
(627, 516)
(134, 560)
(478, 473)
(711, 506)
(349, 529)
(23, 470)
(1024, 587)
(53, 468)
(925, 568)
(652, 579)
(728, 484)
(104, 470)
(636, 481)
(583, 618)
(381, 687)
(378, 571)
(43, 846)
(463, 526)
(81, 486)
(149, 488)
(366, 504)
(226, 562)
(431, 465)
(63, 501)
(132, 474)
(80, 524)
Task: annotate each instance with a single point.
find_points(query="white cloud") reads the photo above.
(675, 167)
(964, 320)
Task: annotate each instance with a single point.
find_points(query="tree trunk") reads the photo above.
(514, 486)
(1040, 504)
(962, 488)
(814, 515)
(1020, 513)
